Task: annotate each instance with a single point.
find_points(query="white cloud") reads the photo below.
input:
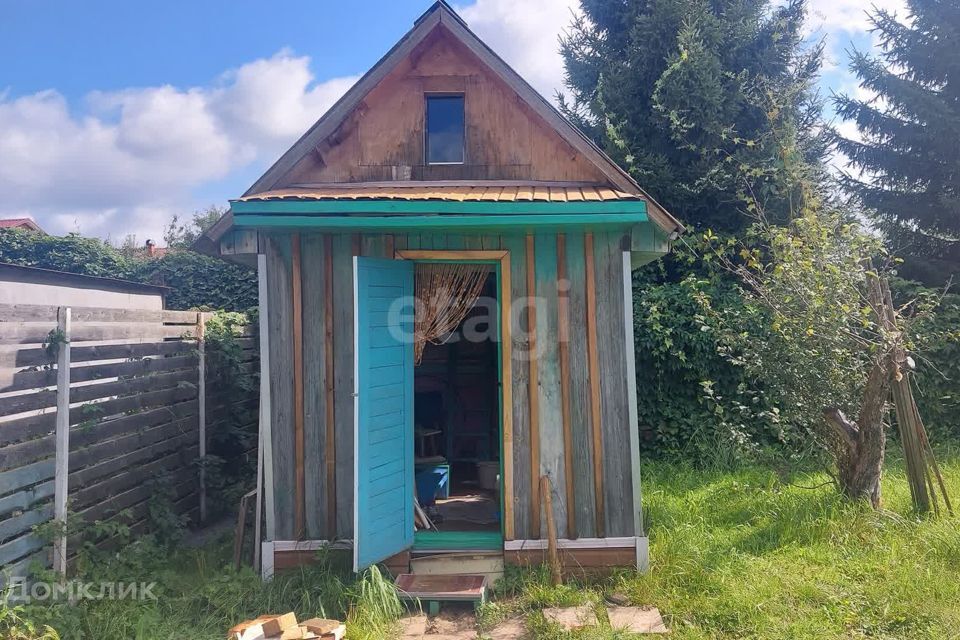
(849, 16)
(525, 35)
(131, 158)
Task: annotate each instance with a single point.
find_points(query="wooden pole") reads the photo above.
(553, 556)
(258, 505)
(62, 470)
(202, 409)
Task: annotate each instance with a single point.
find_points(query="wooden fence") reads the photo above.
(94, 404)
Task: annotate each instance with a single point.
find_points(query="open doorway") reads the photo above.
(457, 440)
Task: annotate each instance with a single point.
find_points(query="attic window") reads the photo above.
(444, 129)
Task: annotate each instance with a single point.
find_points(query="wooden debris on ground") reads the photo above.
(286, 627)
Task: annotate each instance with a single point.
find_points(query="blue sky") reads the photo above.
(116, 115)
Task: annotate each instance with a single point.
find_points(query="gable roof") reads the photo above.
(440, 15)
(20, 223)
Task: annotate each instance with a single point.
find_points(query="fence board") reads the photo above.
(19, 547)
(12, 357)
(25, 522)
(26, 475)
(37, 333)
(22, 500)
(97, 460)
(32, 379)
(100, 492)
(44, 313)
(107, 429)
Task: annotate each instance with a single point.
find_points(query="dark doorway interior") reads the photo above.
(456, 424)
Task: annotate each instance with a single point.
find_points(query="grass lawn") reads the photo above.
(743, 554)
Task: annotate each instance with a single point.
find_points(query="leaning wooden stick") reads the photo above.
(546, 494)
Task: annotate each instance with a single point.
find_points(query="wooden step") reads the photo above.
(434, 589)
(488, 565)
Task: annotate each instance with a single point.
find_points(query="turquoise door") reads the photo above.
(383, 375)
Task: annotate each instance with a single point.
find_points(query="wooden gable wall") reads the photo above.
(383, 138)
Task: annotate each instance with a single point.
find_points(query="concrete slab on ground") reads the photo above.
(571, 618)
(637, 619)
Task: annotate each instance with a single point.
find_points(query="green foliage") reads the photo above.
(906, 164)
(233, 382)
(935, 346)
(753, 554)
(735, 554)
(71, 253)
(182, 235)
(198, 595)
(750, 554)
(699, 401)
(691, 95)
(810, 277)
(195, 280)
(14, 625)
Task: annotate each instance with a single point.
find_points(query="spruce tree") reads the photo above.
(692, 95)
(906, 167)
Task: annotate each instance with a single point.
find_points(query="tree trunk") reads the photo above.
(863, 443)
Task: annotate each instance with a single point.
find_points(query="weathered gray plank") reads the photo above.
(21, 380)
(27, 475)
(373, 245)
(548, 359)
(19, 547)
(314, 383)
(46, 313)
(48, 397)
(12, 356)
(516, 245)
(111, 456)
(343, 380)
(617, 481)
(281, 375)
(36, 333)
(490, 243)
(23, 500)
(580, 390)
(25, 521)
(105, 493)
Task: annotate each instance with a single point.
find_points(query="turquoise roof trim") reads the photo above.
(400, 223)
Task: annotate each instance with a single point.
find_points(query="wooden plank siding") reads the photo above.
(617, 479)
(558, 454)
(313, 259)
(280, 326)
(343, 247)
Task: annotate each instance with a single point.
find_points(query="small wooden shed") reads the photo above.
(441, 154)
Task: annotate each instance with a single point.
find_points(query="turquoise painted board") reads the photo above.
(383, 368)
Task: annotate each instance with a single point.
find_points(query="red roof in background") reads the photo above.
(13, 223)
